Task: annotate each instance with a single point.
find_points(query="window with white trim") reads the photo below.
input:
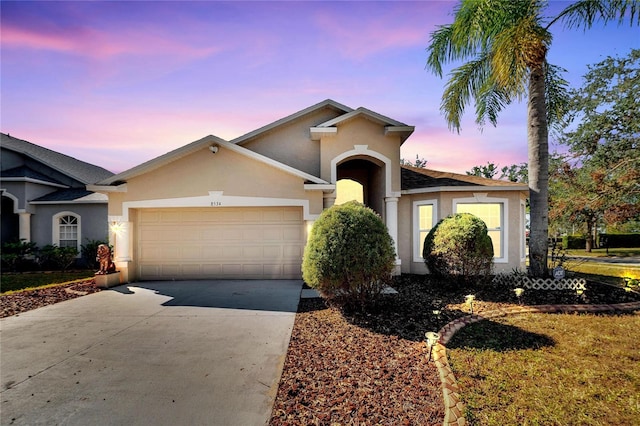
(493, 216)
(66, 230)
(424, 218)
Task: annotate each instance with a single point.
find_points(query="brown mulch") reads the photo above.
(16, 303)
(371, 368)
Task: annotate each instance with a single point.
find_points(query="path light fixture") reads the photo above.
(519, 292)
(469, 298)
(432, 339)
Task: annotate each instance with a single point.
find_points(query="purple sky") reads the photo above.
(118, 83)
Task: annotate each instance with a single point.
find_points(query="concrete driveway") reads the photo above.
(151, 353)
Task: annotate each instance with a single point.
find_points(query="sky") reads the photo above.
(118, 83)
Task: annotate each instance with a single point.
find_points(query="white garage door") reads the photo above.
(223, 242)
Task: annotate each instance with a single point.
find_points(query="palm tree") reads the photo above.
(505, 43)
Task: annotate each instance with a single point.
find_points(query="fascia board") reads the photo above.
(107, 188)
(251, 135)
(32, 180)
(319, 132)
(319, 187)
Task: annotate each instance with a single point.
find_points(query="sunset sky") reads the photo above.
(118, 83)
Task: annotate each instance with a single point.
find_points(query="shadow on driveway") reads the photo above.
(259, 295)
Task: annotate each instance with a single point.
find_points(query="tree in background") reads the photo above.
(512, 173)
(606, 109)
(420, 162)
(505, 43)
(487, 171)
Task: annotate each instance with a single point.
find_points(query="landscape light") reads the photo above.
(432, 339)
(469, 298)
(518, 291)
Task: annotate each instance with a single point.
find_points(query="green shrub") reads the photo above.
(349, 256)
(573, 242)
(56, 258)
(16, 255)
(460, 246)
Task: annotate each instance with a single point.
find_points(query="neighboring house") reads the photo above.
(44, 196)
(243, 208)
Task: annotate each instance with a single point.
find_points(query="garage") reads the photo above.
(219, 242)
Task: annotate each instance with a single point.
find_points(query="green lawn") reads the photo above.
(15, 282)
(619, 252)
(544, 369)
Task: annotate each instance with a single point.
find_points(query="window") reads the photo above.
(424, 218)
(66, 230)
(492, 214)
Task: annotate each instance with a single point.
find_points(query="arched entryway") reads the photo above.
(370, 175)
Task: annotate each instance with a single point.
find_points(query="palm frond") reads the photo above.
(584, 13)
(557, 95)
(466, 82)
(489, 102)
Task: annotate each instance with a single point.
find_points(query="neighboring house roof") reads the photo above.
(79, 170)
(416, 178)
(27, 173)
(198, 145)
(70, 195)
(264, 129)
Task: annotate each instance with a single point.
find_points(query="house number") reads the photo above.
(216, 203)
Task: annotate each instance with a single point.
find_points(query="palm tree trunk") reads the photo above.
(538, 142)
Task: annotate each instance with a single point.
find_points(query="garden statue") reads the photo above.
(104, 258)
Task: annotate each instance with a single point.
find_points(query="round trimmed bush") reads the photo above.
(349, 256)
(459, 245)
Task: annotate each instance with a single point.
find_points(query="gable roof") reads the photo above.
(22, 173)
(75, 195)
(207, 141)
(81, 171)
(321, 105)
(416, 179)
(390, 125)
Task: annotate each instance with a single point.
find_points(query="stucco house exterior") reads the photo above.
(44, 196)
(243, 208)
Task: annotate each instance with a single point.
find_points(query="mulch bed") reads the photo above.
(371, 368)
(16, 303)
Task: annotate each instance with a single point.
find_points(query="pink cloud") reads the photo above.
(94, 44)
(358, 37)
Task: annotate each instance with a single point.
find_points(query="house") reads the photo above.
(44, 196)
(243, 208)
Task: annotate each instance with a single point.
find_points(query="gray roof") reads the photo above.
(70, 194)
(27, 172)
(419, 178)
(79, 170)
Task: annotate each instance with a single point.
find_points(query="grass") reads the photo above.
(17, 282)
(543, 369)
(600, 252)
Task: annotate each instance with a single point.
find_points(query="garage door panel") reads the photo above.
(220, 243)
(292, 252)
(292, 233)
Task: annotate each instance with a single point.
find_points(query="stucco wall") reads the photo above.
(514, 231)
(361, 131)
(201, 172)
(291, 144)
(93, 221)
